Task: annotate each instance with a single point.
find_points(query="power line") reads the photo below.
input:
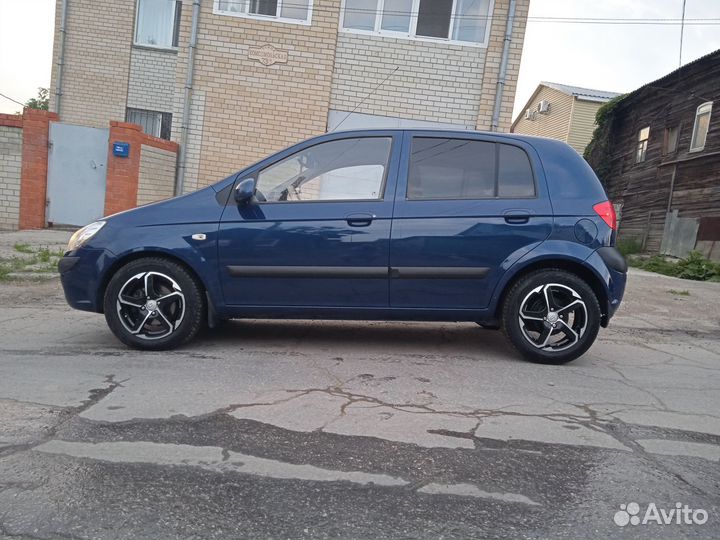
(11, 99)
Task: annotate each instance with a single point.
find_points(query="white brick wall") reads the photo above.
(434, 82)
(157, 174)
(152, 79)
(10, 168)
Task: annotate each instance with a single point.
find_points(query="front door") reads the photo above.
(317, 232)
(468, 206)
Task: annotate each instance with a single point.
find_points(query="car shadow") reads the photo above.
(364, 337)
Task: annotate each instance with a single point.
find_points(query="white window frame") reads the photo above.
(378, 31)
(258, 16)
(706, 109)
(147, 45)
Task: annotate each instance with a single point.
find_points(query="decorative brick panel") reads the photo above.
(157, 174)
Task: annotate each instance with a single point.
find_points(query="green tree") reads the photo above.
(42, 101)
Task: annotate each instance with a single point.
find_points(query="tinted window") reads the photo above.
(347, 169)
(451, 169)
(464, 169)
(515, 177)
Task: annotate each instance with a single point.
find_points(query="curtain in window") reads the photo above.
(471, 18)
(155, 23)
(263, 7)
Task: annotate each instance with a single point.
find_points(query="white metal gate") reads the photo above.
(77, 171)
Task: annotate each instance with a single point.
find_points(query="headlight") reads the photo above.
(83, 235)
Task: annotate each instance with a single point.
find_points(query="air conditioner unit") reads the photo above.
(544, 107)
(529, 114)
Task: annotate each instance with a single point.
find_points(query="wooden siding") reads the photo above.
(582, 123)
(681, 180)
(553, 125)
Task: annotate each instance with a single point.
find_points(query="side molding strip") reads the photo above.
(360, 272)
(367, 272)
(439, 272)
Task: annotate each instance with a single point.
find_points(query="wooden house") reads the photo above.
(657, 151)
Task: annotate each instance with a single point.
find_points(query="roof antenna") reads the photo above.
(363, 99)
(682, 31)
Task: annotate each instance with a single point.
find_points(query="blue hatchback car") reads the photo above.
(506, 231)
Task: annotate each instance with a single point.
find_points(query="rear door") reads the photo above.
(467, 207)
(318, 232)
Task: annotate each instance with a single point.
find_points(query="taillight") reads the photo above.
(607, 212)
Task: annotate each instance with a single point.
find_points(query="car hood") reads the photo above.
(202, 206)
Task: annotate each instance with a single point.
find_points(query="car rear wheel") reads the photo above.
(154, 304)
(551, 316)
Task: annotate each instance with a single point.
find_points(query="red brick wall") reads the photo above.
(11, 120)
(33, 181)
(121, 191)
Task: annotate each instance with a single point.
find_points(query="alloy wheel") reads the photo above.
(553, 317)
(151, 305)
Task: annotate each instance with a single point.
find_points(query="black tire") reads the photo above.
(575, 327)
(180, 304)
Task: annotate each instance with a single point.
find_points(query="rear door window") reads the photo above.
(445, 168)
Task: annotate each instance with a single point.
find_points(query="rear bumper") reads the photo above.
(80, 275)
(612, 267)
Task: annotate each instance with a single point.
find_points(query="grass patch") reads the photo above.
(23, 248)
(628, 246)
(695, 267)
(676, 292)
(40, 260)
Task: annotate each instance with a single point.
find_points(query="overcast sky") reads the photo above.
(607, 57)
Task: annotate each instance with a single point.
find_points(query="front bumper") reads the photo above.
(80, 274)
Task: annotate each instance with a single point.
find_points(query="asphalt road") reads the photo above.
(299, 429)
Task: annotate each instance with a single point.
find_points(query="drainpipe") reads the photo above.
(61, 56)
(187, 100)
(502, 76)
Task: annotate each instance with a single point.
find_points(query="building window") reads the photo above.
(454, 21)
(700, 129)
(158, 23)
(643, 136)
(670, 142)
(458, 169)
(340, 170)
(157, 124)
(292, 11)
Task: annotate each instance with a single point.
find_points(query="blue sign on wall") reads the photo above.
(121, 149)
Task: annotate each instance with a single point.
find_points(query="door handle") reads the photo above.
(517, 216)
(359, 220)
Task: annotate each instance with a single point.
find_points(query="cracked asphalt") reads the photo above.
(355, 430)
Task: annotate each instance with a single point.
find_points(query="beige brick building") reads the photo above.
(269, 73)
(563, 112)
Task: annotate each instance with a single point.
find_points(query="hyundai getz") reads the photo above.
(507, 231)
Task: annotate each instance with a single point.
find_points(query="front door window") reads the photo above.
(341, 170)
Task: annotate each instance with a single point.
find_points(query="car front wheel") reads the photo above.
(154, 304)
(551, 316)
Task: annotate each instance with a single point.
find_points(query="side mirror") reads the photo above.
(245, 191)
